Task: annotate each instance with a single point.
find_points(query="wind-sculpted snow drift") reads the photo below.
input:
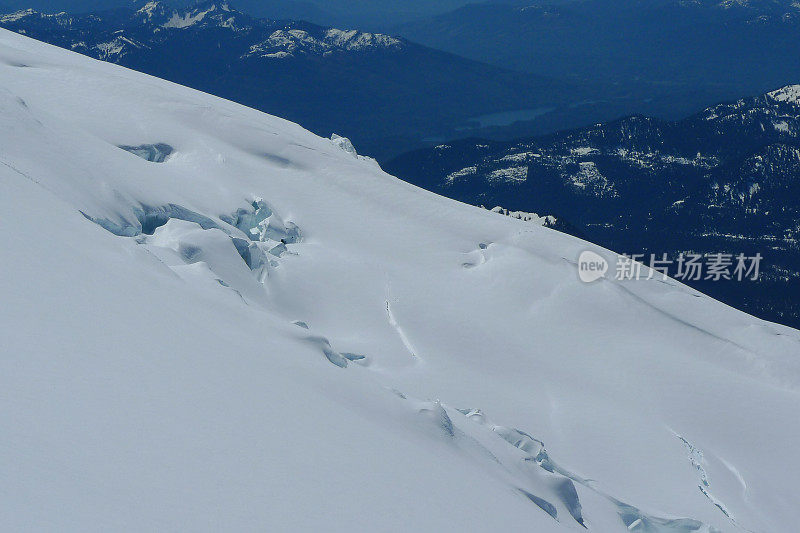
(247, 327)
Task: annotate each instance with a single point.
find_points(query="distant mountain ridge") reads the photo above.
(722, 181)
(384, 92)
(123, 30)
(350, 13)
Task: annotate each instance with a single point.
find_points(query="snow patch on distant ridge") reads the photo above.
(290, 42)
(789, 94)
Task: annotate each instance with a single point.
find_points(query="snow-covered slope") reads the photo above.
(215, 320)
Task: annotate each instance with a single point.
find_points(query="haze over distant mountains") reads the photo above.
(384, 92)
(574, 63)
(708, 50)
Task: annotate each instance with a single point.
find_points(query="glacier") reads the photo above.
(213, 319)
